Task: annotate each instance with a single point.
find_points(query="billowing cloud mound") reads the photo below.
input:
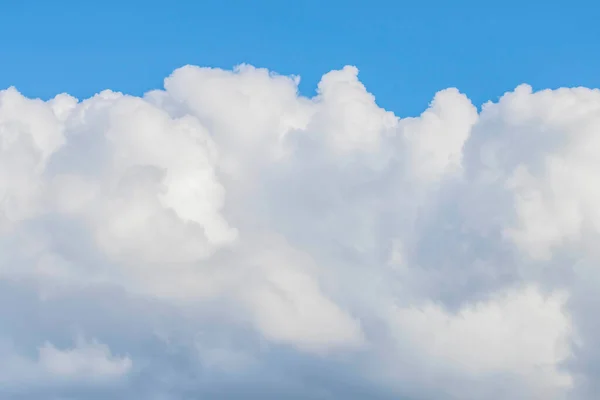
(228, 238)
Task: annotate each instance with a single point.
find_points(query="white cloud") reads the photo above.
(428, 256)
(30, 133)
(518, 332)
(435, 139)
(86, 362)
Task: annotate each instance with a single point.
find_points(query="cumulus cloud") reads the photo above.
(228, 237)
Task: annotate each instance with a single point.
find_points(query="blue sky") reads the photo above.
(406, 50)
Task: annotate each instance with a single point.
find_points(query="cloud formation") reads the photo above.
(227, 237)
